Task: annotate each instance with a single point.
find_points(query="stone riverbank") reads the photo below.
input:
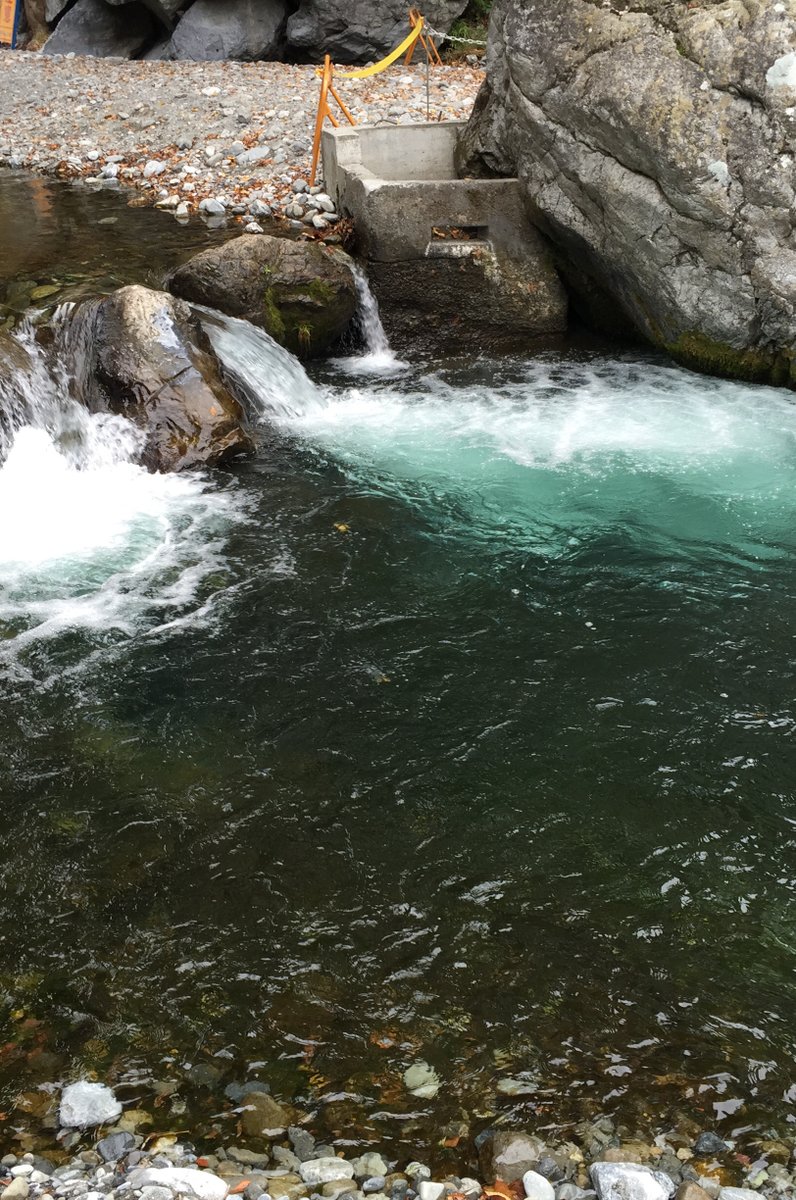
(230, 140)
(93, 1148)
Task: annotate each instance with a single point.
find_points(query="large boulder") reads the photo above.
(241, 29)
(359, 30)
(95, 28)
(165, 10)
(655, 145)
(302, 293)
(148, 359)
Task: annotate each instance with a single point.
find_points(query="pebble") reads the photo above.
(709, 1143)
(325, 1170)
(430, 1191)
(18, 1188)
(537, 1187)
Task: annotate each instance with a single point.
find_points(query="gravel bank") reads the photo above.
(276, 1157)
(236, 136)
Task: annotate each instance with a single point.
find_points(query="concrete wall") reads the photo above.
(398, 183)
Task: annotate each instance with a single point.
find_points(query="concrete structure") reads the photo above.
(453, 252)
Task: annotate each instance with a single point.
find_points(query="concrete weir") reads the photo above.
(448, 258)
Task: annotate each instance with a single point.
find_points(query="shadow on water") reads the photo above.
(456, 726)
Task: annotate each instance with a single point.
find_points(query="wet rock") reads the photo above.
(96, 28)
(359, 30)
(239, 29)
(149, 360)
(709, 1143)
(325, 1170)
(377, 1183)
(649, 142)
(508, 1156)
(261, 1116)
(691, 1191)
(420, 1079)
(115, 1145)
(301, 293)
(302, 1141)
(629, 1181)
(84, 1105)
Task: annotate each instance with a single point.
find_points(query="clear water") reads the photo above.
(458, 725)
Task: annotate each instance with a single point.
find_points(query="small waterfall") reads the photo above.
(273, 382)
(90, 538)
(378, 358)
(376, 342)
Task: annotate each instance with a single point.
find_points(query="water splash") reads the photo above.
(379, 358)
(271, 380)
(95, 539)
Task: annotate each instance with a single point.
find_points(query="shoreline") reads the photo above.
(225, 140)
(108, 1152)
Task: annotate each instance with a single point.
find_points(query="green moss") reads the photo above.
(695, 349)
(274, 323)
(321, 291)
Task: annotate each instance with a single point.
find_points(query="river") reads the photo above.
(457, 726)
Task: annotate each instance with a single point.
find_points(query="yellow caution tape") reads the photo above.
(378, 67)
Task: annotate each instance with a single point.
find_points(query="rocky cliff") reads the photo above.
(655, 143)
(350, 30)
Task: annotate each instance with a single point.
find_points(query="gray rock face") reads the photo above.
(95, 28)
(358, 30)
(165, 10)
(150, 361)
(304, 296)
(655, 144)
(54, 8)
(240, 29)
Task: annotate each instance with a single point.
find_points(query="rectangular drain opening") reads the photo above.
(460, 233)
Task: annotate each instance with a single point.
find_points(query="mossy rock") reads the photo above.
(302, 293)
(755, 364)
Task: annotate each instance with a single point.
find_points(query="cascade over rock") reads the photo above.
(148, 359)
(655, 146)
(301, 293)
(359, 30)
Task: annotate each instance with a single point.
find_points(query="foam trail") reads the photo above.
(92, 539)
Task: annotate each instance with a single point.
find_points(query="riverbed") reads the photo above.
(456, 726)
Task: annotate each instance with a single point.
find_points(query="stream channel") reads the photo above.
(456, 726)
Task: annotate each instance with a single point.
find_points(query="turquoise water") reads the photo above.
(458, 725)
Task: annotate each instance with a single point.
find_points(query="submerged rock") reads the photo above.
(654, 145)
(509, 1156)
(85, 1104)
(301, 293)
(148, 359)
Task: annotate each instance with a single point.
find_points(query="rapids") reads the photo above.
(457, 725)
